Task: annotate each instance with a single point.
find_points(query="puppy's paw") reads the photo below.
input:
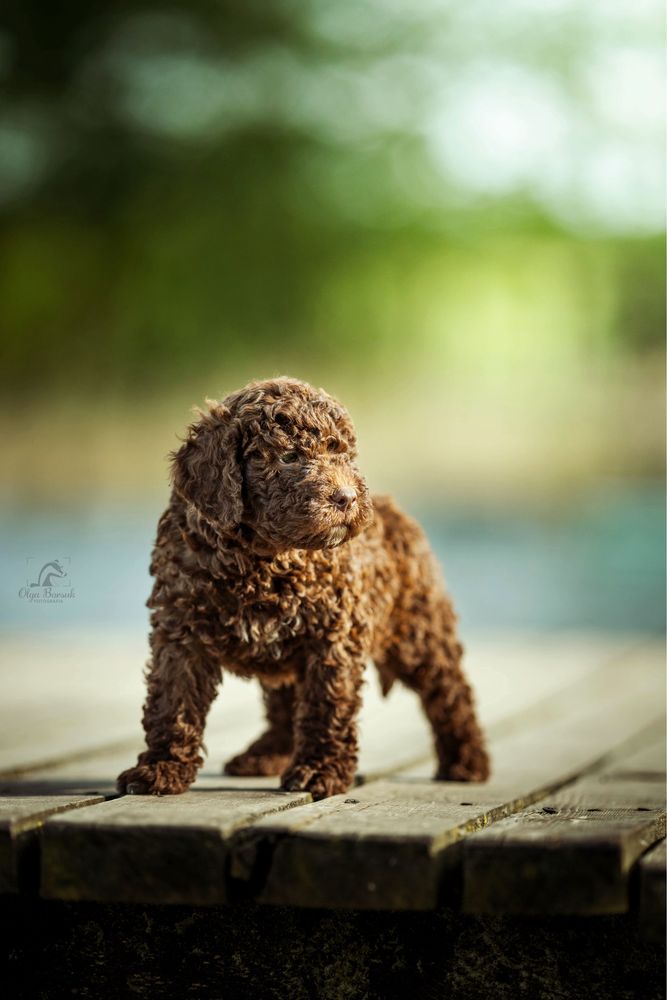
(320, 780)
(250, 764)
(162, 777)
(471, 767)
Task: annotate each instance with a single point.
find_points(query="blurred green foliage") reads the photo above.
(346, 185)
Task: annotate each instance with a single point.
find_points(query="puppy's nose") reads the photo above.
(344, 497)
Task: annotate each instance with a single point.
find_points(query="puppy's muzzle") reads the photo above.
(344, 498)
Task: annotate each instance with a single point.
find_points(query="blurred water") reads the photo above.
(598, 564)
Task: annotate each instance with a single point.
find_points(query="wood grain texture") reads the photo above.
(396, 844)
(381, 847)
(62, 686)
(652, 892)
(508, 690)
(511, 676)
(390, 843)
(152, 850)
(645, 763)
(20, 820)
(514, 676)
(572, 852)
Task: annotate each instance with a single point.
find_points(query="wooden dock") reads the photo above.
(568, 833)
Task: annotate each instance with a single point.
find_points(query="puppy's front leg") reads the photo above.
(182, 683)
(325, 731)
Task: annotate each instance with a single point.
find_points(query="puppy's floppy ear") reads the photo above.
(205, 469)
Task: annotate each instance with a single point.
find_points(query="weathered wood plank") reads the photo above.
(389, 845)
(502, 669)
(405, 833)
(553, 746)
(380, 847)
(646, 763)
(62, 687)
(506, 682)
(572, 853)
(147, 849)
(576, 701)
(569, 854)
(652, 892)
(20, 820)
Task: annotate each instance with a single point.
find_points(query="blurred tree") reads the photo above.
(181, 184)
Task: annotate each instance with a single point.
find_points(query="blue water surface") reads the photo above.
(599, 563)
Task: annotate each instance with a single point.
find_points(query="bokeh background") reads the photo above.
(448, 214)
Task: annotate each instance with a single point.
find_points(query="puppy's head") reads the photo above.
(278, 458)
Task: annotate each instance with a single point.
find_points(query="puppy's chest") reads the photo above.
(261, 617)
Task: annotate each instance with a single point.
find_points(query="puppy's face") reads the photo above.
(303, 488)
(280, 460)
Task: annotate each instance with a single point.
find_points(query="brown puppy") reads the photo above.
(273, 561)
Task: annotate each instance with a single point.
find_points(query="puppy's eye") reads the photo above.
(289, 458)
(333, 445)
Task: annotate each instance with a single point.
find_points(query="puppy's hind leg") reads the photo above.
(272, 751)
(426, 657)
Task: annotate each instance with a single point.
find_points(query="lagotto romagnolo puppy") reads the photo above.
(273, 561)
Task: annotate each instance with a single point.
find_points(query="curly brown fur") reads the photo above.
(273, 561)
